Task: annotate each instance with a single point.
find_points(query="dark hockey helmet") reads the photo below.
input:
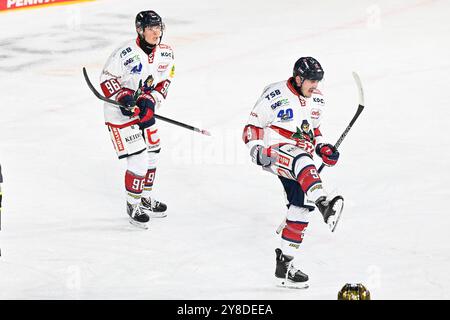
(148, 18)
(354, 292)
(308, 68)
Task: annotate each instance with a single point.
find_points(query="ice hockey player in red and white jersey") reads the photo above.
(283, 133)
(138, 75)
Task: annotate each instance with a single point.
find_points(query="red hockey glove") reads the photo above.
(328, 153)
(146, 104)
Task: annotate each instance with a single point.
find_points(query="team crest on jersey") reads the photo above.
(304, 133)
(148, 83)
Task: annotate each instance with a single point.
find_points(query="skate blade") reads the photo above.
(141, 225)
(334, 219)
(282, 283)
(157, 215)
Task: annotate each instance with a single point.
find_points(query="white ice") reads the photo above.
(65, 234)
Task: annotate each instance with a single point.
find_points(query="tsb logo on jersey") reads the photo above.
(273, 94)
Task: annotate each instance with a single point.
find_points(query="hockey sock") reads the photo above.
(134, 184)
(297, 221)
(148, 184)
(310, 182)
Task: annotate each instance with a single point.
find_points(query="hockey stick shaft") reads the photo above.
(177, 123)
(344, 134)
(355, 117)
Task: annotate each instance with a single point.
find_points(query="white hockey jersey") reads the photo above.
(281, 115)
(127, 66)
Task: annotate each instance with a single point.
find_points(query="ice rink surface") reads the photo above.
(65, 234)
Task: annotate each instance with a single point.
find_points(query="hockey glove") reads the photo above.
(263, 156)
(125, 97)
(146, 104)
(328, 153)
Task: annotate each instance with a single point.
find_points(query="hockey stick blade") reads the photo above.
(114, 102)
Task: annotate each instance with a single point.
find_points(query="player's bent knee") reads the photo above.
(288, 157)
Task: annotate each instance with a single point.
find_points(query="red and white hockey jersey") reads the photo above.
(281, 115)
(126, 67)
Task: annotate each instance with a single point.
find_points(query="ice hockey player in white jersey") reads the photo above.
(138, 75)
(282, 134)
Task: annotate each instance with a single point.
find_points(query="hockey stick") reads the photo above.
(358, 112)
(177, 123)
(344, 134)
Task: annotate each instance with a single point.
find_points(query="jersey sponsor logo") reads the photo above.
(315, 114)
(166, 54)
(133, 137)
(319, 100)
(273, 94)
(125, 52)
(137, 69)
(162, 67)
(131, 60)
(150, 135)
(279, 103)
(285, 161)
(117, 139)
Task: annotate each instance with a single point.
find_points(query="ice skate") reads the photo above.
(137, 217)
(287, 275)
(153, 208)
(331, 210)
